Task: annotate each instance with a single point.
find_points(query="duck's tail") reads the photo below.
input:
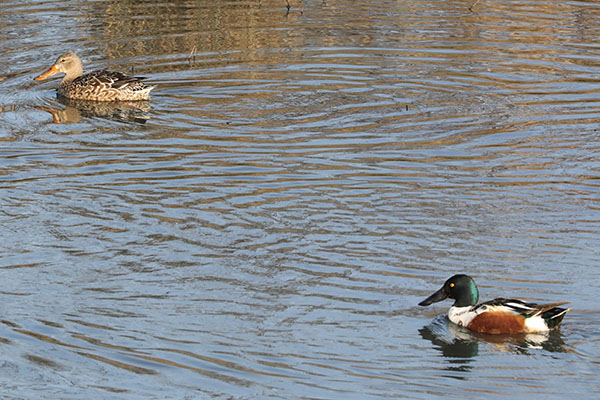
(554, 316)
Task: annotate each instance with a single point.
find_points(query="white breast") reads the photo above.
(461, 316)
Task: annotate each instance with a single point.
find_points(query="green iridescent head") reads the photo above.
(460, 287)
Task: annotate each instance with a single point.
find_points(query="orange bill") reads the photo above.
(53, 70)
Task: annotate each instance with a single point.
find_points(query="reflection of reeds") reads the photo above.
(288, 6)
(192, 57)
(211, 29)
(473, 5)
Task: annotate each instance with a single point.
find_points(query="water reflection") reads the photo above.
(76, 110)
(457, 351)
(459, 346)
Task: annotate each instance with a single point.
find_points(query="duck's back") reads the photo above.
(106, 85)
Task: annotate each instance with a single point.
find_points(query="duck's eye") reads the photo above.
(452, 284)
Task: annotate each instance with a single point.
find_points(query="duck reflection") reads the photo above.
(460, 346)
(76, 110)
(457, 350)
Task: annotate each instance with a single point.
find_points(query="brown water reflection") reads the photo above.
(75, 110)
(299, 182)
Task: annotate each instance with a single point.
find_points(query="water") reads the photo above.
(267, 224)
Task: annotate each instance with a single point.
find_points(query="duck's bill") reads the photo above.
(53, 70)
(434, 298)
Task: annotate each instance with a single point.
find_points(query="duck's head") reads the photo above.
(68, 63)
(460, 287)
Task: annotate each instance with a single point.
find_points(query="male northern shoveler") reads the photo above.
(499, 316)
(98, 85)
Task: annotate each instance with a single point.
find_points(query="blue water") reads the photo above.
(267, 224)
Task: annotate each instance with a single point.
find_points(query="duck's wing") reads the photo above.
(521, 307)
(111, 80)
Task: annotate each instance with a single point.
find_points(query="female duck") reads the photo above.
(98, 85)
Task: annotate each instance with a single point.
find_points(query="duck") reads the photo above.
(101, 85)
(498, 316)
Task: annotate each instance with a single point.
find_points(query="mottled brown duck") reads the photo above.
(99, 85)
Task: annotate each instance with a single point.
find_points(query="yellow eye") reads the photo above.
(451, 284)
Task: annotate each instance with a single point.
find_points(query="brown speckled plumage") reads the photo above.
(98, 85)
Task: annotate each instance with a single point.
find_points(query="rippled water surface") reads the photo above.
(265, 226)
